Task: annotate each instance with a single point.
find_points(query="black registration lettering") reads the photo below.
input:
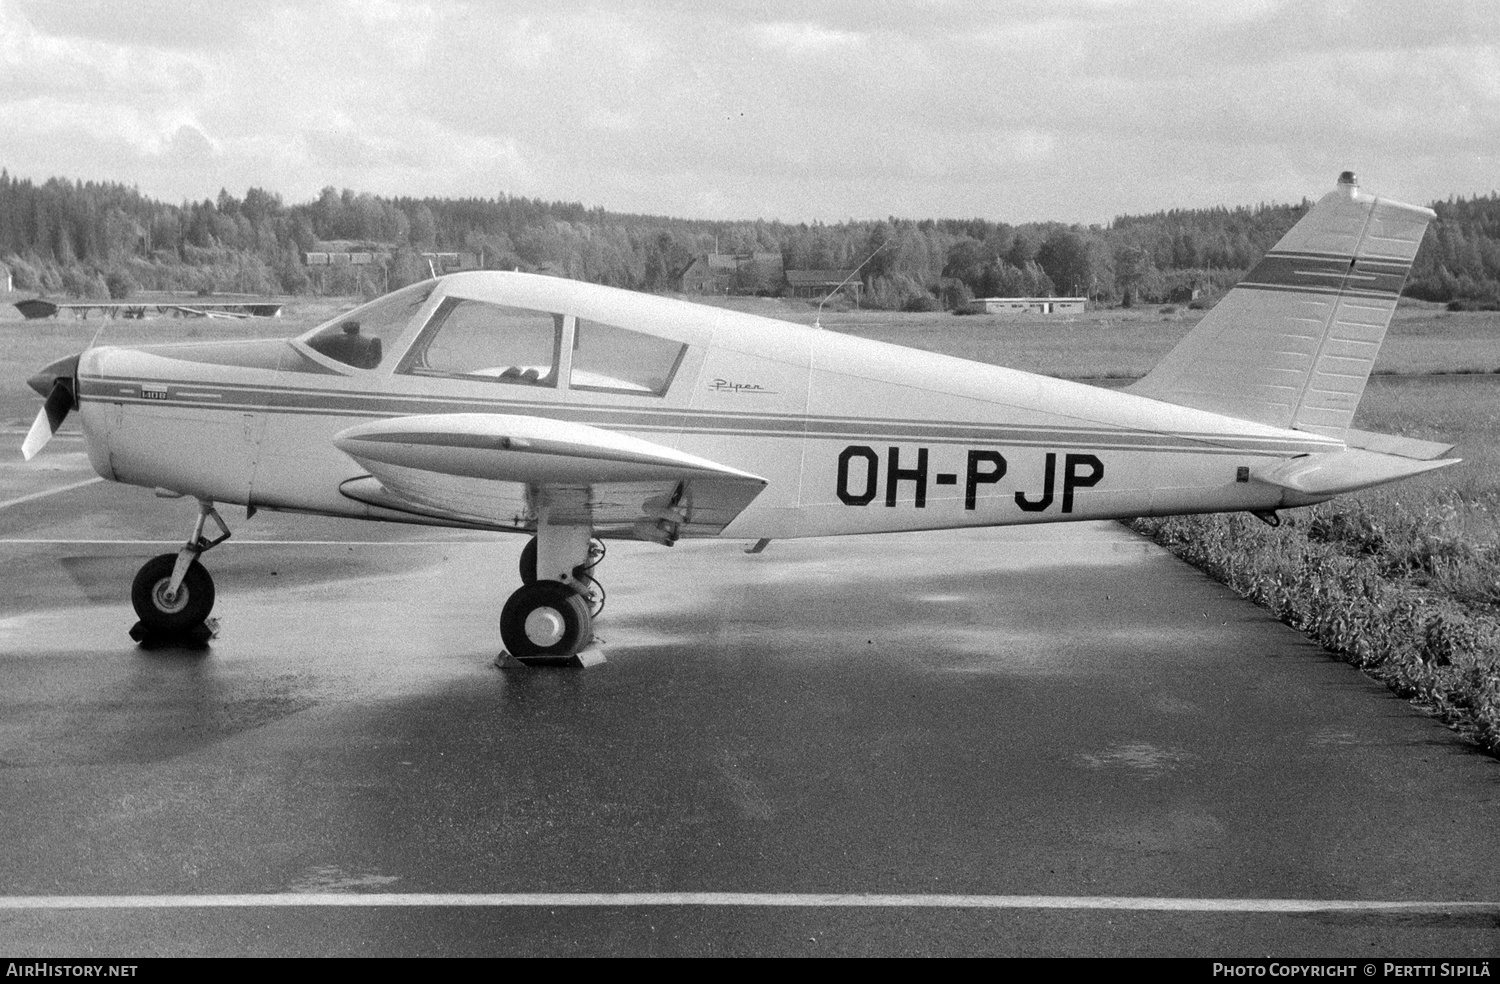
(1074, 479)
(1049, 474)
(895, 475)
(872, 468)
(976, 476)
(983, 467)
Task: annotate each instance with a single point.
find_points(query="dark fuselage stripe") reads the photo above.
(694, 422)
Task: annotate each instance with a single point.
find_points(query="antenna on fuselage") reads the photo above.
(818, 318)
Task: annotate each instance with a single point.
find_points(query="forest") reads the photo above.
(103, 240)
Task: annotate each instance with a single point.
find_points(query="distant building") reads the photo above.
(734, 273)
(1027, 305)
(344, 253)
(821, 283)
(453, 262)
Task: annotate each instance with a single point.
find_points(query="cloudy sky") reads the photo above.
(1075, 110)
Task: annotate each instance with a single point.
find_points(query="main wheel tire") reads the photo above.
(190, 607)
(528, 562)
(545, 619)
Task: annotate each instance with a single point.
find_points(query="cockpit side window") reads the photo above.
(617, 360)
(479, 340)
(362, 337)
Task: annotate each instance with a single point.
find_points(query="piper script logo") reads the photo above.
(730, 386)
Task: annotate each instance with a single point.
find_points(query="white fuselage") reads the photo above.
(852, 436)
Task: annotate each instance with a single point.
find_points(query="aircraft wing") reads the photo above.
(501, 469)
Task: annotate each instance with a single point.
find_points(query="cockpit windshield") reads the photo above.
(478, 340)
(362, 337)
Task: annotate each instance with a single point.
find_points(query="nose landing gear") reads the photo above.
(173, 594)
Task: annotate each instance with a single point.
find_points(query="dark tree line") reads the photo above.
(92, 239)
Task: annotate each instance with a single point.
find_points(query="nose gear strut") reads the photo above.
(173, 594)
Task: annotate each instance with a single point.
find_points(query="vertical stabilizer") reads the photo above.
(1293, 343)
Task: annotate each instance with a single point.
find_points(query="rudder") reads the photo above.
(1292, 345)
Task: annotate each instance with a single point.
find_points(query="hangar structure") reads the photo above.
(184, 306)
(1028, 305)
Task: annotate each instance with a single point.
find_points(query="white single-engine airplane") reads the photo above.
(508, 401)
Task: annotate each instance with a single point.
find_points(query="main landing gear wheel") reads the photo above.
(528, 562)
(186, 609)
(546, 620)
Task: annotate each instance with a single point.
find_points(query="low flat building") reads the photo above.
(820, 283)
(734, 273)
(454, 261)
(1027, 305)
(345, 252)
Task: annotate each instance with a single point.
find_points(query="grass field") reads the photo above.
(1114, 343)
(26, 346)
(1402, 580)
(1117, 343)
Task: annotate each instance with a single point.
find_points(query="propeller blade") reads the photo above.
(57, 383)
(37, 438)
(48, 419)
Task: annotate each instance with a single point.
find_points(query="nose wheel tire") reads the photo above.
(188, 608)
(545, 619)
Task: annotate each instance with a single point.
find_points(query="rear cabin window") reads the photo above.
(362, 337)
(477, 340)
(617, 360)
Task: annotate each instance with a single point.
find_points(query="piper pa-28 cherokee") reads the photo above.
(574, 412)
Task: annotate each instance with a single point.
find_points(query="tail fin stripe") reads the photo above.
(1366, 276)
(1371, 295)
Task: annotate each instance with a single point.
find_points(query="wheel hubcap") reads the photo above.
(545, 627)
(167, 602)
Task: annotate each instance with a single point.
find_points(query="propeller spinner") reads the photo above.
(58, 383)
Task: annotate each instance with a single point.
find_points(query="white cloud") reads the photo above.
(1028, 110)
(152, 24)
(803, 38)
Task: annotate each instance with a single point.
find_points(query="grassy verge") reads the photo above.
(1403, 581)
(1321, 574)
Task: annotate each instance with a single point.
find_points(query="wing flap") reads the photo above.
(367, 489)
